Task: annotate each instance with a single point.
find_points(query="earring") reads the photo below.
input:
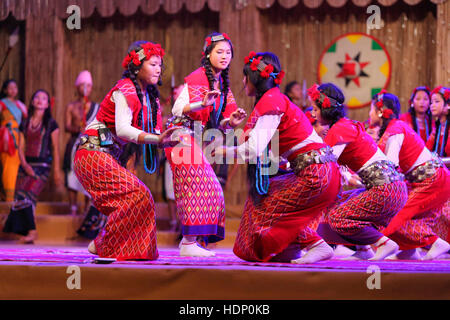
(207, 56)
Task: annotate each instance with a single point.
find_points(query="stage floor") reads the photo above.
(69, 272)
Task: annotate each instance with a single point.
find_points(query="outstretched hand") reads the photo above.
(165, 138)
(237, 117)
(210, 97)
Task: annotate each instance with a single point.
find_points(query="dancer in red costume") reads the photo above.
(439, 141)
(418, 116)
(360, 218)
(429, 181)
(206, 101)
(280, 208)
(130, 112)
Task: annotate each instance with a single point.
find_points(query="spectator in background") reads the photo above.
(294, 92)
(12, 112)
(79, 113)
(38, 153)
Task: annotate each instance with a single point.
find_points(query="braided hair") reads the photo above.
(262, 85)
(439, 124)
(339, 110)
(412, 110)
(153, 93)
(206, 64)
(390, 101)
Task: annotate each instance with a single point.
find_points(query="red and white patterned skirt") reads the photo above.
(130, 230)
(198, 193)
(292, 202)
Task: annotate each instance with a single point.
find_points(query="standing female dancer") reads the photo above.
(130, 112)
(278, 210)
(359, 219)
(429, 181)
(38, 153)
(206, 100)
(418, 116)
(12, 112)
(439, 141)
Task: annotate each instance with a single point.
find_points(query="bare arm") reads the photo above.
(56, 158)
(23, 162)
(69, 127)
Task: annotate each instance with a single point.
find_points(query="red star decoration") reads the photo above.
(352, 69)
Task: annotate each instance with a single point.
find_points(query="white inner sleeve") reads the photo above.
(181, 102)
(338, 149)
(312, 138)
(393, 146)
(378, 156)
(124, 118)
(424, 156)
(259, 137)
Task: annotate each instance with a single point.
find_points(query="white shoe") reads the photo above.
(193, 249)
(91, 248)
(439, 247)
(385, 248)
(319, 251)
(343, 251)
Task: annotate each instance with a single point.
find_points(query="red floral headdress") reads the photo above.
(148, 49)
(210, 40)
(385, 111)
(266, 70)
(321, 99)
(445, 92)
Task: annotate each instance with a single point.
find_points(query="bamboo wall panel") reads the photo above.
(14, 67)
(416, 38)
(102, 43)
(22, 9)
(299, 35)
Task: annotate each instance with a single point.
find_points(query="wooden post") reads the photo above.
(443, 44)
(243, 25)
(44, 69)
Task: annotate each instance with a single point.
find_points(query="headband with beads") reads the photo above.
(266, 70)
(445, 92)
(148, 49)
(321, 99)
(216, 38)
(379, 103)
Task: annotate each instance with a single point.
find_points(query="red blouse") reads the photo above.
(198, 85)
(360, 147)
(107, 110)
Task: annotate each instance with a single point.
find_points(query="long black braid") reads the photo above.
(412, 111)
(444, 142)
(153, 93)
(206, 64)
(390, 101)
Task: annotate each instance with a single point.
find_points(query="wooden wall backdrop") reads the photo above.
(415, 33)
(14, 66)
(102, 43)
(299, 35)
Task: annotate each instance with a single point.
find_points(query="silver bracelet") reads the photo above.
(151, 139)
(195, 106)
